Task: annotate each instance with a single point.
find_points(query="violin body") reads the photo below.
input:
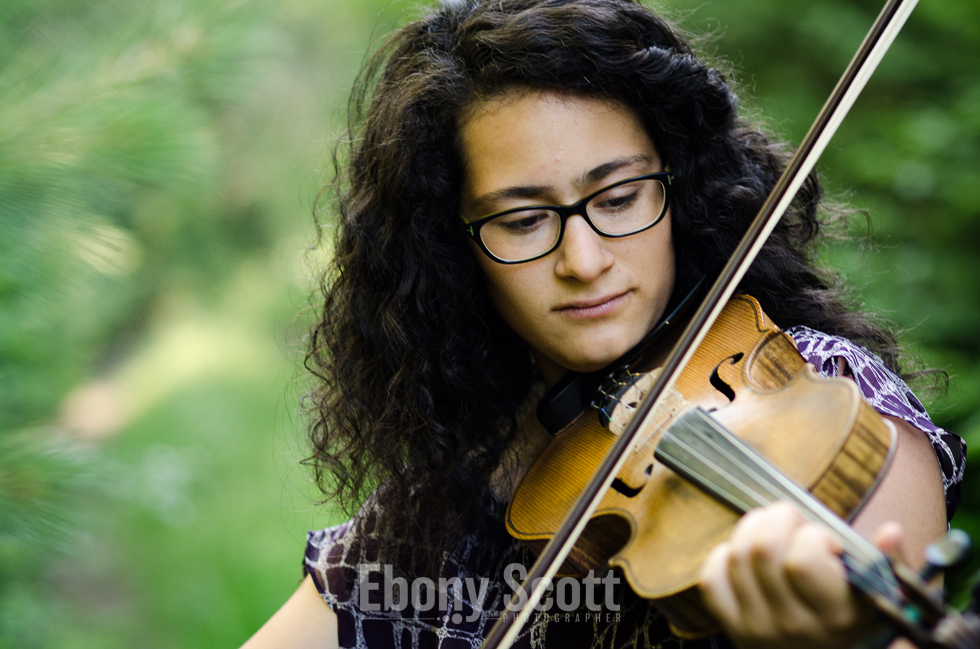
(657, 527)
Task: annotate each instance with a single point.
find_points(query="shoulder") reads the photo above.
(834, 356)
(303, 622)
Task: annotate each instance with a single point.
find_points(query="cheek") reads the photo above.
(517, 294)
(513, 296)
(504, 285)
(661, 255)
(649, 259)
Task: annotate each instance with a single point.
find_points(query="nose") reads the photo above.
(582, 254)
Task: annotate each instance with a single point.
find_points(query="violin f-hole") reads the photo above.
(716, 381)
(625, 489)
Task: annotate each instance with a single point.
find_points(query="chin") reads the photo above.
(598, 356)
(594, 362)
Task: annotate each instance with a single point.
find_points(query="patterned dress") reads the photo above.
(375, 610)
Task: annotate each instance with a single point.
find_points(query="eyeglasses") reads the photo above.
(524, 234)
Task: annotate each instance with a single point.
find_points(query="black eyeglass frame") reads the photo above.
(473, 228)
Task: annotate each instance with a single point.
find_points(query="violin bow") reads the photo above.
(879, 38)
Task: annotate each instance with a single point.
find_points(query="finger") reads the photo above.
(758, 547)
(819, 580)
(769, 549)
(888, 538)
(752, 600)
(716, 588)
(762, 576)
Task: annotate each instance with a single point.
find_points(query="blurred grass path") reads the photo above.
(196, 530)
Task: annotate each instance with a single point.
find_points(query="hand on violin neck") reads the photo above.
(778, 582)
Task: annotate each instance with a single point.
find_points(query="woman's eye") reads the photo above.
(617, 202)
(523, 222)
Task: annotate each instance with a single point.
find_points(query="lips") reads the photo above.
(593, 307)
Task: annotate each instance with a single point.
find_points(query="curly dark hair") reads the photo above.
(419, 379)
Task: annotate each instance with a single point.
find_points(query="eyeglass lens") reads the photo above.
(620, 210)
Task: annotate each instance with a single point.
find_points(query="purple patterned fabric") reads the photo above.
(348, 577)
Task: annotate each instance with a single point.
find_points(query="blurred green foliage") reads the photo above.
(157, 167)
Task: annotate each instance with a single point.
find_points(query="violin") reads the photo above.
(747, 423)
(713, 429)
(656, 525)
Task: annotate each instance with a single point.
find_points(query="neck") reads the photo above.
(551, 371)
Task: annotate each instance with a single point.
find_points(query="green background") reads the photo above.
(158, 163)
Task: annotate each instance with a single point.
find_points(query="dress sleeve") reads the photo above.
(343, 563)
(325, 562)
(889, 395)
(332, 560)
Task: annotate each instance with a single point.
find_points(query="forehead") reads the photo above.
(543, 139)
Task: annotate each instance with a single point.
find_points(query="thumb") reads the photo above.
(888, 538)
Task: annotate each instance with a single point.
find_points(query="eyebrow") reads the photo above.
(534, 191)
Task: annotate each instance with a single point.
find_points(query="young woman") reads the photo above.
(455, 299)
